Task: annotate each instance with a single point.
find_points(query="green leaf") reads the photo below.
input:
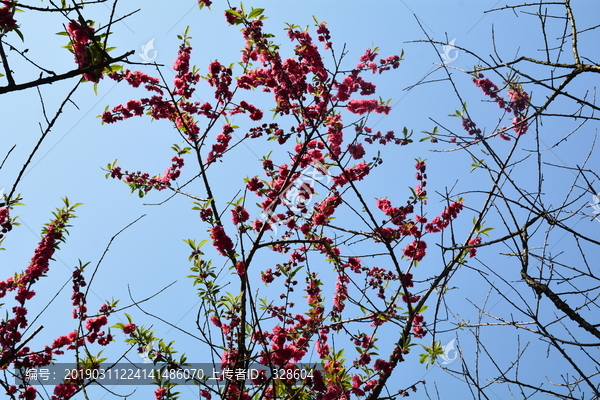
(486, 230)
(233, 12)
(255, 12)
(191, 243)
(18, 32)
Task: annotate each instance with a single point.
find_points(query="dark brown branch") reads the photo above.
(541, 288)
(66, 75)
(9, 76)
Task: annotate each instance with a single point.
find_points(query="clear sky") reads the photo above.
(151, 254)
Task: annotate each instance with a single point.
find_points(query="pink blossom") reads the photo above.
(240, 268)
(216, 322)
(356, 150)
(473, 250)
(7, 20)
(362, 106)
(221, 241)
(239, 215)
(129, 328)
(160, 393)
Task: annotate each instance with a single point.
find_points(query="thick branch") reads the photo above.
(51, 79)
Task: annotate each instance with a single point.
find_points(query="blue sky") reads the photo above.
(151, 254)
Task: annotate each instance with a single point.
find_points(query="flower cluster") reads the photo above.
(388, 137)
(490, 89)
(93, 325)
(325, 209)
(221, 241)
(357, 151)
(355, 173)
(137, 78)
(439, 223)
(78, 296)
(352, 84)
(517, 104)
(518, 99)
(267, 276)
(308, 54)
(240, 268)
(398, 216)
(221, 78)
(378, 278)
(286, 79)
(222, 144)
(415, 250)
(286, 345)
(180, 112)
(161, 393)
(142, 181)
(474, 242)
(5, 222)
(367, 61)
(418, 330)
(85, 55)
(304, 88)
(324, 35)
(471, 127)
(129, 328)
(311, 155)
(340, 296)
(239, 215)
(363, 106)
(255, 113)
(268, 129)
(184, 80)
(39, 265)
(10, 335)
(7, 20)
